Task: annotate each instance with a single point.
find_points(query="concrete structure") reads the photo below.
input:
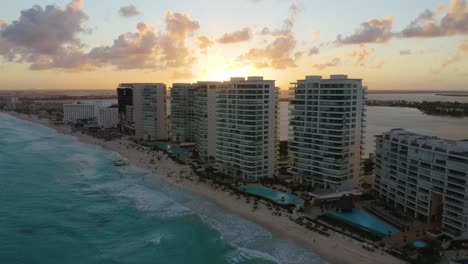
(204, 124)
(108, 117)
(246, 127)
(8, 102)
(74, 112)
(327, 121)
(142, 110)
(150, 116)
(182, 115)
(125, 112)
(425, 177)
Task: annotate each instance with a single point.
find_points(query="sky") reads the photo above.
(89, 44)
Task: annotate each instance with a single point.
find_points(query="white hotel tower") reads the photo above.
(327, 121)
(182, 116)
(204, 124)
(246, 127)
(149, 103)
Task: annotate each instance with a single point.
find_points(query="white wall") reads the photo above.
(108, 117)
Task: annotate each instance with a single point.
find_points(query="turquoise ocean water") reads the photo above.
(64, 202)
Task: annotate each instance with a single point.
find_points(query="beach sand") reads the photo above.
(336, 248)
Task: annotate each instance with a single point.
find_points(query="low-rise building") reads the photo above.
(8, 102)
(75, 112)
(425, 177)
(108, 117)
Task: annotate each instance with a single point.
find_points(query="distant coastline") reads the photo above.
(453, 94)
(453, 109)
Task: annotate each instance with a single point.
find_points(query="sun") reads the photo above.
(225, 73)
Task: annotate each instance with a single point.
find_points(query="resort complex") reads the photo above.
(224, 137)
(327, 120)
(424, 177)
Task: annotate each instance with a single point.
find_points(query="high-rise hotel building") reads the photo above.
(149, 102)
(246, 127)
(182, 112)
(204, 124)
(327, 121)
(142, 110)
(425, 177)
(125, 102)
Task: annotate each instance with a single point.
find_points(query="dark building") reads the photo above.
(125, 101)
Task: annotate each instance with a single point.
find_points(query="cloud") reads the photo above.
(46, 37)
(405, 52)
(180, 25)
(373, 31)
(360, 55)
(426, 25)
(377, 65)
(130, 50)
(129, 11)
(146, 49)
(204, 43)
(461, 51)
(315, 35)
(440, 9)
(313, 51)
(363, 57)
(236, 36)
(182, 75)
(332, 63)
(280, 51)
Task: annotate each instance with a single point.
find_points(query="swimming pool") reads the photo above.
(366, 221)
(419, 244)
(173, 151)
(277, 196)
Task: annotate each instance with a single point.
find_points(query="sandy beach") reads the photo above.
(334, 249)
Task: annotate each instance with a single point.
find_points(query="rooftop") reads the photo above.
(459, 147)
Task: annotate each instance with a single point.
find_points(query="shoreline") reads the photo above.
(334, 249)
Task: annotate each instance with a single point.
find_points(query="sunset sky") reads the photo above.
(89, 44)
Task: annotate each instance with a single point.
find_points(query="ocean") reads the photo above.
(64, 202)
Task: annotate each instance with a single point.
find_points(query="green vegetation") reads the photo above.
(431, 108)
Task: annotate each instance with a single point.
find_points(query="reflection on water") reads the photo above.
(382, 119)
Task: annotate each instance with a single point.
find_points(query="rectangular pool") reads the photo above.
(366, 221)
(277, 196)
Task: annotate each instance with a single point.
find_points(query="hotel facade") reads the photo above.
(425, 177)
(246, 127)
(108, 117)
(142, 110)
(75, 112)
(204, 123)
(326, 131)
(125, 112)
(182, 112)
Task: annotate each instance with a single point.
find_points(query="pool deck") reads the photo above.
(253, 189)
(415, 233)
(365, 220)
